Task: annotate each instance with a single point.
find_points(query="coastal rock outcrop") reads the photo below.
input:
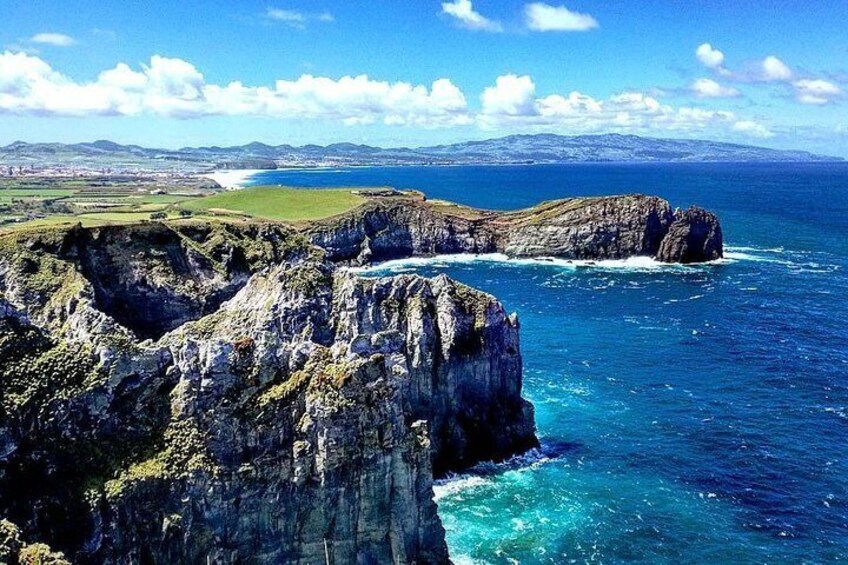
(587, 228)
(223, 392)
(612, 227)
(694, 237)
(302, 420)
(398, 228)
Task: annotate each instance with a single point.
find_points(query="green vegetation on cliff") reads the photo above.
(184, 453)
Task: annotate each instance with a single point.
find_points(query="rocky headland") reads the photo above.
(611, 227)
(192, 392)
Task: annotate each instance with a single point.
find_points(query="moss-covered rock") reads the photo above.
(277, 402)
(184, 453)
(35, 371)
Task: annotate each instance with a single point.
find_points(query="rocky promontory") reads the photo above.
(223, 394)
(610, 227)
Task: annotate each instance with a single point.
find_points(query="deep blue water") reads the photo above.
(687, 415)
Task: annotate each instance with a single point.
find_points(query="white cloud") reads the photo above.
(815, 91)
(544, 17)
(463, 11)
(511, 96)
(708, 88)
(752, 129)
(773, 69)
(709, 57)
(174, 87)
(54, 39)
(810, 90)
(512, 104)
(288, 16)
(295, 18)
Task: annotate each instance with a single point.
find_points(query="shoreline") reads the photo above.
(233, 178)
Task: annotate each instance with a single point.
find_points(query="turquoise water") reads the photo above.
(687, 415)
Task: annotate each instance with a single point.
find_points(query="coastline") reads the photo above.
(233, 178)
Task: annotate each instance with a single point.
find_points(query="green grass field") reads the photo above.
(10, 195)
(275, 203)
(267, 203)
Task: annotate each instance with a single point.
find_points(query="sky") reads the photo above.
(420, 72)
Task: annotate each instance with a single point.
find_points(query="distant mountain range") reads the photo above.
(540, 148)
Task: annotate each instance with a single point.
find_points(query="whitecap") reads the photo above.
(454, 484)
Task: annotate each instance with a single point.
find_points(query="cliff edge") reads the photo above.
(223, 394)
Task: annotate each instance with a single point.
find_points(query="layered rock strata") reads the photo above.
(301, 421)
(614, 227)
(224, 393)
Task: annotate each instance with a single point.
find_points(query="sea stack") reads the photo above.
(693, 237)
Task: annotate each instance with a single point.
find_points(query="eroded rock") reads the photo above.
(694, 237)
(610, 227)
(304, 418)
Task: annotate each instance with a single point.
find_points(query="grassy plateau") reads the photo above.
(277, 203)
(57, 204)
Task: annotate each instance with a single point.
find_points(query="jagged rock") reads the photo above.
(223, 392)
(395, 228)
(693, 237)
(303, 418)
(612, 227)
(455, 353)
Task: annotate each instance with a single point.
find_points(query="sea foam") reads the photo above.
(635, 264)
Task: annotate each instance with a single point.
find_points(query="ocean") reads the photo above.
(686, 414)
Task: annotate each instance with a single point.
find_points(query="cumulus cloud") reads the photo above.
(54, 39)
(773, 69)
(708, 88)
(510, 96)
(463, 11)
(806, 89)
(816, 91)
(512, 103)
(174, 87)
(709, 56)
(544, 17)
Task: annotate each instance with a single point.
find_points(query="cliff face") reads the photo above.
(394, 229)
(300, 420)
(223, 393)
(614, 227)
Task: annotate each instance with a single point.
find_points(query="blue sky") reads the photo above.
(164, 73)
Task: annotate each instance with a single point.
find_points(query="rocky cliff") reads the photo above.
(190, 392)
(221, 394)
(614, 227)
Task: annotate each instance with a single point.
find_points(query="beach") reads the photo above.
(232, 179)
